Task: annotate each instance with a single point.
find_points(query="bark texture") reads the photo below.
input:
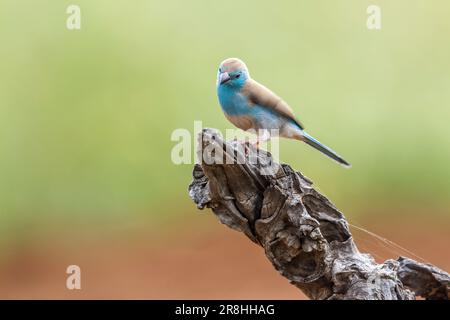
(305, 237)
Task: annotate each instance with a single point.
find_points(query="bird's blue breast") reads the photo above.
(232, 101)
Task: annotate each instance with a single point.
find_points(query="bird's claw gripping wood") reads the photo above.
(305, 237)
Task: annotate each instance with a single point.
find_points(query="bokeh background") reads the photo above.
(86, 118)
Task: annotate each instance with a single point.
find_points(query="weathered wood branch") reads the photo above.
(305, 237)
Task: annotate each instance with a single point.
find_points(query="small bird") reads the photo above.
(250, 105)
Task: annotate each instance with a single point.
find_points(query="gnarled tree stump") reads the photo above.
(305, 237)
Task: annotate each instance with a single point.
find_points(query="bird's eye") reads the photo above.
(238, 75)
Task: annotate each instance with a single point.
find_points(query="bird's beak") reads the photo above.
(224, 77)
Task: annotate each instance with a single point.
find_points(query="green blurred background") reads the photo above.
(86, 115)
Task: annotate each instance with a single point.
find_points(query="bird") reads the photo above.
(248, 104)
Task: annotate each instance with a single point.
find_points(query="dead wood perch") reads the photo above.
(305, 237)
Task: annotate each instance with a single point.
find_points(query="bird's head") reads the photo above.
(232, 72)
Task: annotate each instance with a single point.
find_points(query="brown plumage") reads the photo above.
(261, 95)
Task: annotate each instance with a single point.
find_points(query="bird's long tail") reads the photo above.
(324, 149)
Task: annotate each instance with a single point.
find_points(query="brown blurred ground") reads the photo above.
(198, 260)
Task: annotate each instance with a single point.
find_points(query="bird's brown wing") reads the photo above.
(264, 97)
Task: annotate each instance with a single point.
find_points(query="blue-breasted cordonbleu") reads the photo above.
(250, 105)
